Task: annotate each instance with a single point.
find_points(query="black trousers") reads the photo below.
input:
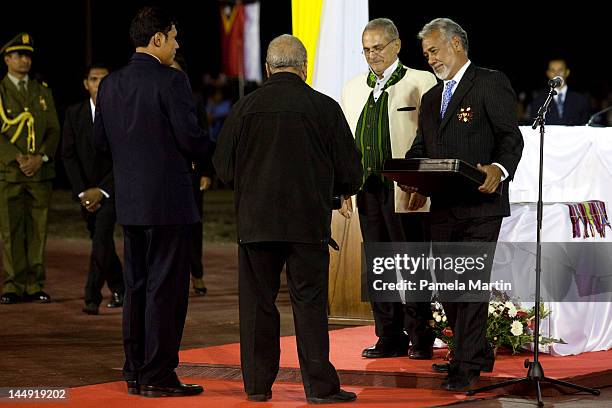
(104, 264)
(467, 319)
(380, 223)
(155, 305)
(260, 266)
(195, 259)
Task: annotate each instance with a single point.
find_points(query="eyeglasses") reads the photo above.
(377, 49)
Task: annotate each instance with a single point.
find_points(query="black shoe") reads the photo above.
(181, 390)
(340, 396)
(39, 297)
(440, 367)
(460, 382)
(132, 387)
(10, 298)
(91, 309)
(116, 300)
(384, 349)
(426, 354)
(260, 397)
(198, 286)
(444, 367)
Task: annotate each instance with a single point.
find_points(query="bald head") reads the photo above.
(286, 53)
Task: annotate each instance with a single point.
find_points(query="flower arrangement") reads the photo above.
(508, 325)
(441, 327)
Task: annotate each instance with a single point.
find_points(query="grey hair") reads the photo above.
(286, 51)
(385, 25)
(448, 28)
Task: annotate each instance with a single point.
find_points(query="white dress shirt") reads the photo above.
(381, 82)
(92, 106)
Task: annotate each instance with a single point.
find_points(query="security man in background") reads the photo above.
(91, 177)
(29, 135)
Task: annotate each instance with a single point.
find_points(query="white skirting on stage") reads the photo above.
(577, 168)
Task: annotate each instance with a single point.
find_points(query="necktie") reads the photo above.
(446, 97)
(22, 88)
(560, 101)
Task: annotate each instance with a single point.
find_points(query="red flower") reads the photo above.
(521, 314)
(531, 324)
(447, 332)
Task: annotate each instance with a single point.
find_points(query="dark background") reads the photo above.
(516, 38)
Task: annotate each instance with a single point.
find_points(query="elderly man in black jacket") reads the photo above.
(286, 149)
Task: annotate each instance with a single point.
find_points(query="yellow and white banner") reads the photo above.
(331, 32)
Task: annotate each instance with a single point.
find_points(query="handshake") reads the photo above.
(344, 205)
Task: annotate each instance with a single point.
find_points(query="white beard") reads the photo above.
(443, 74)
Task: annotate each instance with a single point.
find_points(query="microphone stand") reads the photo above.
(535, 372)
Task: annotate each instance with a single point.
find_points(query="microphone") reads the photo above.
(556, 82)
(599, 115)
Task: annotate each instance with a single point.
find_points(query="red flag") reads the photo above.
(232, 39)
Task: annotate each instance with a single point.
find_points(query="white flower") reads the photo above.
(438, 318)
(517, 328)
(511, 309)
(436, 315)
(495, 338)
(491, 309)
(443, 318)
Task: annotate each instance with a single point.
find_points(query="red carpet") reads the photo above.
(345, 354)
(220, 393)
(212, 367)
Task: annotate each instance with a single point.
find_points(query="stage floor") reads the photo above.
(589, 369)
(392, 382)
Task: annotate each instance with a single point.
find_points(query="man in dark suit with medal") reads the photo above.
(471, 116)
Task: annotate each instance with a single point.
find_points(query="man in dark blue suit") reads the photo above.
(470, 115)
(569, 107)
(146, 118)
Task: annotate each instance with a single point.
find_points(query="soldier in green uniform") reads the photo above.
(29, 135)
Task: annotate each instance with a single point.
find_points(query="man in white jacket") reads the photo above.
(382, 108)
